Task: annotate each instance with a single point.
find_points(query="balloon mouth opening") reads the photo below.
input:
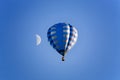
(62, 52)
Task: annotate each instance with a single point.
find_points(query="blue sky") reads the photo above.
(96, 55)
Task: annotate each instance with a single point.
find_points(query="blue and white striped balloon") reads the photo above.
(62, 37)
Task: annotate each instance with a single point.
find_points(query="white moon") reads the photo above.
(38, 39)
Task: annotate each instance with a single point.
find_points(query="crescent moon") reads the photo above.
(38, 39)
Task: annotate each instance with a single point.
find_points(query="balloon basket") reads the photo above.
(63, 58)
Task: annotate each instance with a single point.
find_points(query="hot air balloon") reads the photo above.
(62, 37)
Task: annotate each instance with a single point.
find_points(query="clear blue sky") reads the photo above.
(96, 55)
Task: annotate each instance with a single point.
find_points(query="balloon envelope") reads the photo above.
(62, 37)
